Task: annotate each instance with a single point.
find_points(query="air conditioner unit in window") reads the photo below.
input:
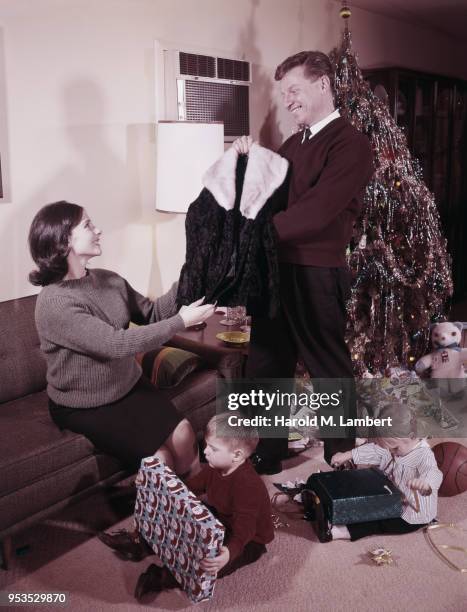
(207, 88)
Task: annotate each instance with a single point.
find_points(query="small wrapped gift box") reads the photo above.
(177, 526)
(356, 496)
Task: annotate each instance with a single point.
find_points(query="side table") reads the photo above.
(233, 359)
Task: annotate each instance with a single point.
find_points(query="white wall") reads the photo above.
(77, 92)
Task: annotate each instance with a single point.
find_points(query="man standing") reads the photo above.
(330, 166)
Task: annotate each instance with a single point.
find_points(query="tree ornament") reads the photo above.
(345, 12)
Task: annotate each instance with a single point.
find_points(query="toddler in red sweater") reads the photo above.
(235, 494)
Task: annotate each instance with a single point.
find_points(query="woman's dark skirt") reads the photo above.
(129, 429)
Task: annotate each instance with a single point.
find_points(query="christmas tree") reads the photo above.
(398, 257)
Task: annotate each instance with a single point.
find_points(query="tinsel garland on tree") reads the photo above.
(399, 261)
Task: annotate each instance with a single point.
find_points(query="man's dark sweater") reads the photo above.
(242, 504)
(328, 176)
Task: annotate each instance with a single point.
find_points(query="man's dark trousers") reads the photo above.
(311, 324)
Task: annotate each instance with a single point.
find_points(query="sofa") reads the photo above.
(43, 469)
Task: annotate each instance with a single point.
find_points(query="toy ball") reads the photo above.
(451, 458)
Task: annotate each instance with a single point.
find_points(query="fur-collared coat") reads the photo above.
(231, 255)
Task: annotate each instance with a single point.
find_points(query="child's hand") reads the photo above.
(420, 485)
(215, 564)
(139, 478)
(340, 458)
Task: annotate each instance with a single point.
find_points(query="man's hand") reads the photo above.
(243, 145)
(215, 564)
(418, 484)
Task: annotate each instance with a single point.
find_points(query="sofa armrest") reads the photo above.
(228, 362)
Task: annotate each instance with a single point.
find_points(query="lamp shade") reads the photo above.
(185, 150)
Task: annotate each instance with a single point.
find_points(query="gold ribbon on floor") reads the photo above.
(439, 548)
(381, 556)
(290, 508)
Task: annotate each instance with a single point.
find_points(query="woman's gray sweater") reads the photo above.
(83, 329)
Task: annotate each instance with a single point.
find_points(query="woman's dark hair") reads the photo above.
(49, 238)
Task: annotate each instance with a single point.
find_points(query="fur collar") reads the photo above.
(265, 172)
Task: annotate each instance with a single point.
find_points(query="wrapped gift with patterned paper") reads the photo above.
(179, 528)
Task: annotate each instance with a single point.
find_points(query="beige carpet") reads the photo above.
(298, 573)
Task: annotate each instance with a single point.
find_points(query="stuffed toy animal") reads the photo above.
(447, 359)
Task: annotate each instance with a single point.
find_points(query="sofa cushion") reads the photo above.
(53, 491)
(32, 445)
(195, 398)
(167, 366)
(194, 392)
(22, 365)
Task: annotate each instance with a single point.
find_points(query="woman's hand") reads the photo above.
(196, 312)
(243, 145)
(215, 564)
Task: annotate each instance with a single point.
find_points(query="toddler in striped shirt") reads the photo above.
(411, 465)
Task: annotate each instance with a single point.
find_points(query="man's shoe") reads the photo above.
(263, 465)
(126, 544)
(149, 581)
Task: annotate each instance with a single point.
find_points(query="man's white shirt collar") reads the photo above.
(316, 127)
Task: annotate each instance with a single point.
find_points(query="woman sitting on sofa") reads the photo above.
(95, 386)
